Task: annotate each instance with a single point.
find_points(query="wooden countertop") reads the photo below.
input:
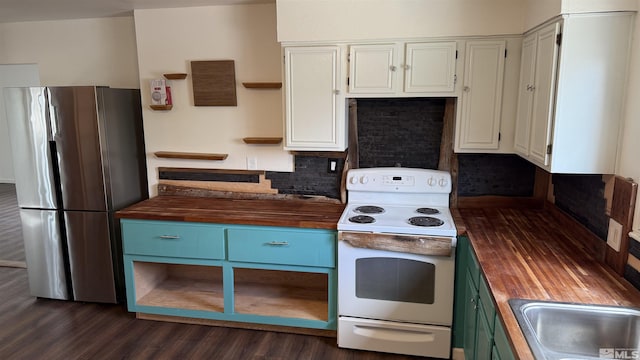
(291, 213)
(539, 254)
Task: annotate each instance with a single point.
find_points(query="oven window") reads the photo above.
(394, 279)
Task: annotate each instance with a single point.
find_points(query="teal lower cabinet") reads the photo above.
(231, 273)
(477, 328)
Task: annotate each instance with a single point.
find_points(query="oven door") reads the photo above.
(387, 285)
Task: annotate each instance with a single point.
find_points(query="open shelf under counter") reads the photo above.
(291, 294)
(193, 287)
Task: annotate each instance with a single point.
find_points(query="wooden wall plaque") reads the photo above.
(214, 83)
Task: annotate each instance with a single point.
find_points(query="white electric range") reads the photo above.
(396, 262)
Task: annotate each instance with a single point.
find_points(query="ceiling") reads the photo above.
(40, 10)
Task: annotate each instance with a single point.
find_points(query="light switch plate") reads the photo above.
(614, 237)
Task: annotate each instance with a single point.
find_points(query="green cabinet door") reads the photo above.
(470, 318)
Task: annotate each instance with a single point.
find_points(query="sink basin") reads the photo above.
(556, 330)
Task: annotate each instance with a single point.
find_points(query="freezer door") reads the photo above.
(30, 133)
(44, 251)
(92, 275)
(73, 113)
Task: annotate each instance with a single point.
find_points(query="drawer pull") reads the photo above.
(170, 237)
(278, 243)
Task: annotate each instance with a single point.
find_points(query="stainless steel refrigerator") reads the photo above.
(78, 156)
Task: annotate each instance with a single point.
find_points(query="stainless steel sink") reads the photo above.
(556, 330)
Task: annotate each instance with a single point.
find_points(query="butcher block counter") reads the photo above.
(301, 213)
(539, 254)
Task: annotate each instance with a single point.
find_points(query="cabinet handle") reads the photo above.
(531, 87)
(170, 237)
(466, 89)
(407, 66)
(392, 68)
(278, 243)
(336, 91)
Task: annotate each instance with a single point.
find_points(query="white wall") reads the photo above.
(75, 52)
(538, 11)
(629, 164)
(168, 39)
(312, 20)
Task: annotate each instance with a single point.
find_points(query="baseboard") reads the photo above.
(457, 354)
(7, 181)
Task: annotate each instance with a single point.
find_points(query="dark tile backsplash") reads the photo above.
(400, 132)
(495, 174)
(582, 197)
(310, 177)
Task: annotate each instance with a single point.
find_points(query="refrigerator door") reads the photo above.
(73, 113)
(44, 250)
(122, 143)
(30, 133)
(90, 259)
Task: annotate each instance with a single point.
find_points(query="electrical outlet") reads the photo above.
(614, 237)
(332, 166)
(252, 163)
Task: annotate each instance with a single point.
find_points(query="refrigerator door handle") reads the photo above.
(52, 117)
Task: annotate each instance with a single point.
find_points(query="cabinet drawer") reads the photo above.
(486, 302)
(290, 247)
(173, 239)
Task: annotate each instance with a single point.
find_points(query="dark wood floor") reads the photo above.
(51, 329)
(11, 247)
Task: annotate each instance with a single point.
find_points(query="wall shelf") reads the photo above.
(175, 76)
(188, 155)
(262, 85)
(262, 140)
(161, 107)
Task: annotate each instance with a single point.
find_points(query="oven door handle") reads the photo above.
(400, 335)
(277, 243)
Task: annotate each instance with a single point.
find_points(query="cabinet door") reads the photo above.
(314, 106)
(372, 69)
(430, 67)
(484, 337)
(482, 95)
(525, 95)
(470, 317)
(544, 93)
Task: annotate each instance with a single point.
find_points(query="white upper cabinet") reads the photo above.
(429, 67)
(315, 105)
(373, 68)
(571, 93)
(478, 127)
(402, 69)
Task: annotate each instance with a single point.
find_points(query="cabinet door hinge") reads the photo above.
(559, 39)
(499, 136)
(455, 78)
(456, 54)
(348, 57)
(347, 81)
(505, 52)
(549, 148)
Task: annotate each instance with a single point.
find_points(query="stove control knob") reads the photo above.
(431, 181)
(353, 180)
(442, 182)
(364, 179)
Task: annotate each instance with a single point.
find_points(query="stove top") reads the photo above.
(398, 219)
(398, 201)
